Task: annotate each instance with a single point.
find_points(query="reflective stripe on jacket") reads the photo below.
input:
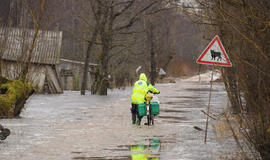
(140, 89)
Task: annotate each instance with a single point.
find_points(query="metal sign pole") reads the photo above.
(209, 100)
(200, 72)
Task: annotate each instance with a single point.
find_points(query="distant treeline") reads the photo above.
(176, 35)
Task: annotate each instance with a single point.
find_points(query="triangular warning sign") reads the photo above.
(215, 54)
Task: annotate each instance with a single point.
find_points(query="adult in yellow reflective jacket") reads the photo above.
(140, 89)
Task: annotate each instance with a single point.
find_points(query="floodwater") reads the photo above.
(70, 126)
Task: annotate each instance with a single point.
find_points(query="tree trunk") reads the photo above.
(86, 62)
(26, 65)
(152, 55)
(101, 83)
(37, 26)
(0, 65)
(13, 95)
(104, 83)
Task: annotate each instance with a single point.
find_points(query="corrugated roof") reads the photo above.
(15, 44)
(76, 62)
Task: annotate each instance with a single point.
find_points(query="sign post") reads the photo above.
(208, 107)
(214, 55)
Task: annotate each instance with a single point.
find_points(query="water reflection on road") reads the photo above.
(146, 152)
(71, 126)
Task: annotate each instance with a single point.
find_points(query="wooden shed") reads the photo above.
(71, 73)
(15, 44)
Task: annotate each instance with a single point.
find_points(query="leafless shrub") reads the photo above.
(243, 26)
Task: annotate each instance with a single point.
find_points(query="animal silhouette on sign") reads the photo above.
(215, 54)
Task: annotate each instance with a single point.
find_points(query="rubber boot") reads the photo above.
(138, 121)
(133, 118)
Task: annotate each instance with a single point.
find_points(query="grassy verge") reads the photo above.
(13, 96)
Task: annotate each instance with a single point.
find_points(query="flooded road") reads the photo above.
(70, 126)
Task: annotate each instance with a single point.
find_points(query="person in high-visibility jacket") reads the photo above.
(140, 89)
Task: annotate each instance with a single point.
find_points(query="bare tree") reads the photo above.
(37, 17)
(243, 26)
(151, 42)
(113, 20)
(90, 43)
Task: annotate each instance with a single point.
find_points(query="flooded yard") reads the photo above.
(70, 126)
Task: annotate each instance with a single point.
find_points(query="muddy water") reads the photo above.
(70, 126)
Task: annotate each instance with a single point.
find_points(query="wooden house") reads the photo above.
(71, 74)
(14, 50)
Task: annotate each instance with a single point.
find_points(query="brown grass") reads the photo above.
(178, 67)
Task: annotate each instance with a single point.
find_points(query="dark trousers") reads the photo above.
(135, 112)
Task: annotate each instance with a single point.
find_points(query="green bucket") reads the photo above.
(142, 109)
(154, 108)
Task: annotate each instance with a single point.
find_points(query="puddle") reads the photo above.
(173, 111)
(190, 107)
(200, 90)
(102, 158)
(165, 121)
(122, 148)
(76, 152)
(170, 141)
(146, 152)
(183, 102)
(175, 102)
(148, 149)
(187, 97)
(172, 117)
